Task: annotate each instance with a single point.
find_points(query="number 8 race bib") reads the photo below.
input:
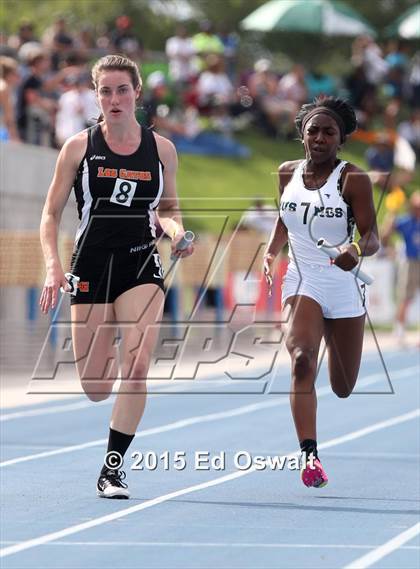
(124, 191)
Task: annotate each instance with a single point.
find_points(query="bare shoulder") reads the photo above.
(289, 167)
(166, 150)
(286, 170)
(74, 148)
(355, 176)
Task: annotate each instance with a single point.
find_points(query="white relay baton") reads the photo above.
(333, 253)
(73, 283)
(186, 240)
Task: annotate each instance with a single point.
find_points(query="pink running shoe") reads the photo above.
(315, 476)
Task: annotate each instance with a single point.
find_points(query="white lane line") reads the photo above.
(371, 455)
(371, 429)
(211, 544)
(382, 551)
(205, 382)
(49, 410)
(235, 412)
(170, 386)
(49, 537)
(321, 392)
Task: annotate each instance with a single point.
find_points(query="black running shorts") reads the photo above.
(106, 273)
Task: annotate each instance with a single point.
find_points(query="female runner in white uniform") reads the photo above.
(322, 196)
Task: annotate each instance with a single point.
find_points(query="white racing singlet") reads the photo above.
(310, 214)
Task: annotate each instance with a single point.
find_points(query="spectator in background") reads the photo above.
(410, 130)
(25, 54)
(269, 106)
(320, 84)
(357, 85)
(260, 217)
(36, 109)
(380, 155)
(25, 34)
(63, 44)
(362, 96)
(414, 81)
(215, 92)
(180, 52)
(292, 90)
(396, 55)
(368, 54)
(103, 42)
(9, 79)
(84, 40)
(59, 41)
(292, 85)
(206, 43)
(230, 41)
(408, 282)
(77, 107)
(185, 130)
(155, 108)
(124, 39)
(394, 82)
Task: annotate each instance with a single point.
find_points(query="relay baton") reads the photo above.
(333, 253)
(186, 240)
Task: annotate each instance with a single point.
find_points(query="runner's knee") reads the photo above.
(135, 375)
(95, 392)
(342, 388)
(304, 360)
(343, 383)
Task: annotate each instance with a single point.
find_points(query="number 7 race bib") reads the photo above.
(124, 191)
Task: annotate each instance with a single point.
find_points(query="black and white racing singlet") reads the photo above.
(116, 194)
(310, 214)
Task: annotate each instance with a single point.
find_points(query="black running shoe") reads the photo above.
(110, 485)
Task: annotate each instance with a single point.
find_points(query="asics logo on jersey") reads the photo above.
(96, 157)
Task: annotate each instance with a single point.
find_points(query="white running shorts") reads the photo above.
(338, 292)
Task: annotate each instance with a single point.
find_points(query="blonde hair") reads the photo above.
(116, 63)
(7, 66)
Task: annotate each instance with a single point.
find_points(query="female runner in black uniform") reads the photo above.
(121, 173)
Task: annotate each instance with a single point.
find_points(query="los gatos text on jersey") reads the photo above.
(145, 176)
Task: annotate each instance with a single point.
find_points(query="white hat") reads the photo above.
(156, 79)
(29, 50)
(262, 65)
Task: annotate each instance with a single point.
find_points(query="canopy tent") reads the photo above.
(327, 17)
(407, 26)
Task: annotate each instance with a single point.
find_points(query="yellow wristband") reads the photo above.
(357, 247)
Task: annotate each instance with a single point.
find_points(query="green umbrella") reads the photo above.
(327, 17)
(407, 26)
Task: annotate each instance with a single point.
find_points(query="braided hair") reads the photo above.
(341, 111)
